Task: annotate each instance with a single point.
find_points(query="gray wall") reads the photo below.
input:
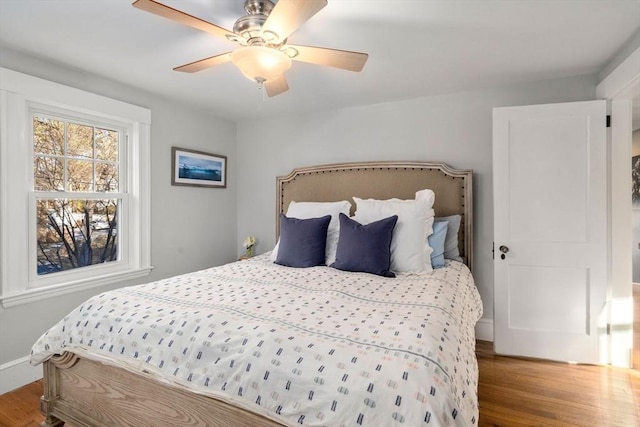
(456, 129)
(191, 228)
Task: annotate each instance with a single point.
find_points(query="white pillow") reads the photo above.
(306, 210)
(410, 251)
(429, 197)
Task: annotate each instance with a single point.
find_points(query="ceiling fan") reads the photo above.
(264, 54)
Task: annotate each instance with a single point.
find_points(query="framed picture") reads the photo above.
(635, 181)
(197, 168)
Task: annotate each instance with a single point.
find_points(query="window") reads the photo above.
(76, 176)
(74, 189)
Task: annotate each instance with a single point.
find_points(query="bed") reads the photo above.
(254, 343)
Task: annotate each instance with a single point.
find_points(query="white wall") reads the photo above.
(453, 128)
(191, 228)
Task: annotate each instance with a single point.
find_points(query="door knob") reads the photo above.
(503, 249)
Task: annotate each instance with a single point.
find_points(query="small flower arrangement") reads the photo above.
(249, 243)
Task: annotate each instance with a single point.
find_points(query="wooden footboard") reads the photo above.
(88, 393)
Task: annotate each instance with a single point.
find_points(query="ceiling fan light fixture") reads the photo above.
(260, 63)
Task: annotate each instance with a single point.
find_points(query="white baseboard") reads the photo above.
(484, 329)
(17, 373)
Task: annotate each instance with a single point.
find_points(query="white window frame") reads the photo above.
(88, 272)
(20, 96)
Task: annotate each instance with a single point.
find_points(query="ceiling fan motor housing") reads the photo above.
(249, 27)
(255, 7)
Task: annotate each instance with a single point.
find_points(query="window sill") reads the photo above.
(39, 294)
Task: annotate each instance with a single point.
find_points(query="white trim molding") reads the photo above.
(17, 373)
(20, 96)
(620, 79)
(37, 294)
(484, 329)
(618, 88)
(57, 95)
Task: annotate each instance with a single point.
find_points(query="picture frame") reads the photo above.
(197, 168)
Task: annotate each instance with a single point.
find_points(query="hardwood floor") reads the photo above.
(512, 392)
(20, 408)
(522, 392)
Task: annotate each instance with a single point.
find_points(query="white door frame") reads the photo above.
(618, 87)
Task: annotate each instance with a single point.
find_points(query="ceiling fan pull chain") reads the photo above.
(262, 94)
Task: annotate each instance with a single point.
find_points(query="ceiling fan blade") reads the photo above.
(175, 15)
(287, 16)
(203, 64)
(276, 86)
(347, 60)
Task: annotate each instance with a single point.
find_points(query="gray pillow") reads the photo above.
(365, 248)
(451, 250)
(302, 241)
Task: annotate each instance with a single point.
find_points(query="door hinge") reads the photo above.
(493, 250)
(608, 121)
(608, 328)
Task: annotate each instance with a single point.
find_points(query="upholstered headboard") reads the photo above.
(384, 180)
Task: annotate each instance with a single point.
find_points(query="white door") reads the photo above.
(550, 210)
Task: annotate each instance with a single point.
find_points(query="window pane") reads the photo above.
(75, 233)
(75, 157)
(79, 140)
(79, 175)
(48, 173)
(106, 177)
(48, 136)
(106, 145)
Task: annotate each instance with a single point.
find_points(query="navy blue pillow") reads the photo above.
(302, 241)
(365, 248)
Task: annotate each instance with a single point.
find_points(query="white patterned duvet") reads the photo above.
(314, 346)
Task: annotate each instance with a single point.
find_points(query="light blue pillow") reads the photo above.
(451, 250)
(436, 241)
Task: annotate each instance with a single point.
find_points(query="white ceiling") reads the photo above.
(416, 47)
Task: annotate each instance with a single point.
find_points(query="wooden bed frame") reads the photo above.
(87, 392)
